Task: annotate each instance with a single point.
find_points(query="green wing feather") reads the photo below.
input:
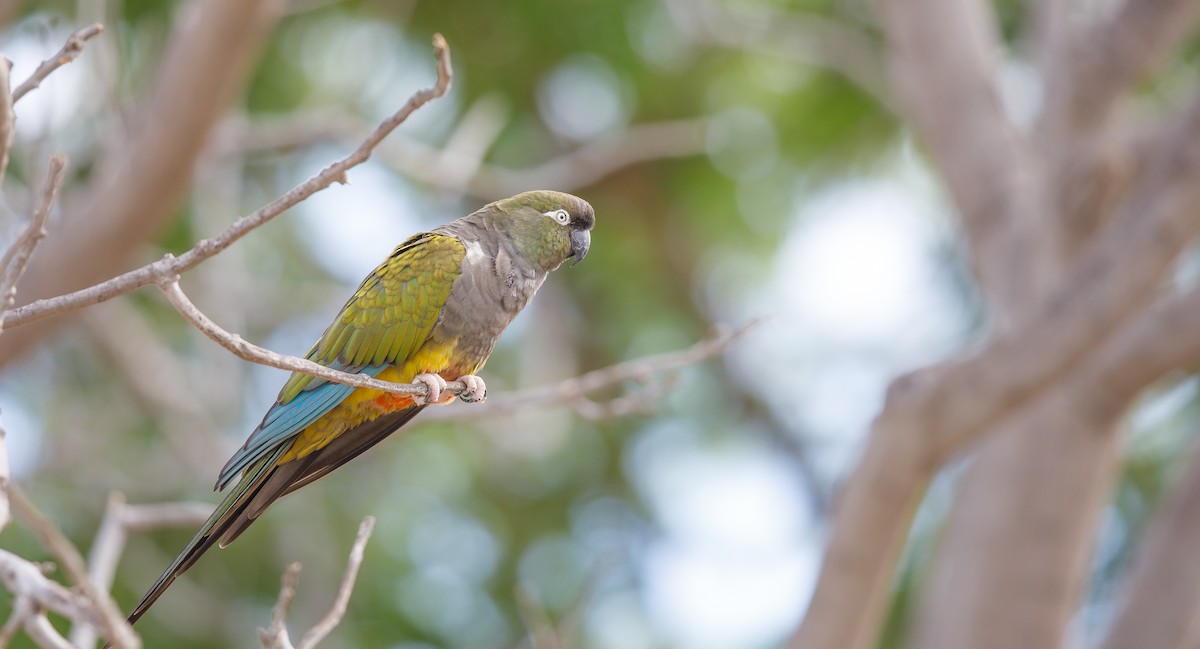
(393, 311)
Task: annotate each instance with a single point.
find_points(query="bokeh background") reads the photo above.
(743, 164)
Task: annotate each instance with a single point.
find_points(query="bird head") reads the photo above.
(547, 227)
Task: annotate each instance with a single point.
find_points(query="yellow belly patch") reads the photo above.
(364, 404)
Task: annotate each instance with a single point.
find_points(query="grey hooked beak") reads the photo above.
(581, 240)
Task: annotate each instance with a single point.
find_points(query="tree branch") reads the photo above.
(277, 636)
(587, 164)
(571, 391)
(1108, 59)
(170, 266)
(804, 37)
(16, 257)
(34, 594)
(316, 634)
(256, 354)
(119, 520)
(1161, 599)
(946, 82)
(69, 52)
(109, 619)
(923, 422)
(142, 173)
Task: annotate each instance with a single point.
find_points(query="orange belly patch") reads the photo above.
(388, 402)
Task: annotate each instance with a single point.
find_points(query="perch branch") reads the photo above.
(170, 266)
(69, 52)
(277, 636)
(251, 352)
(570, 391)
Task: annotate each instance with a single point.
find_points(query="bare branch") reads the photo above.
(571, 391)
(594, 160)
(119, 520)
(144, 169)
(44, 634)
(587, 164)
(316, 634)
(171, 266)
(69, 52)
(110, 620)
(12, 265)
(25, 581)
(805, 37)
(277, 636)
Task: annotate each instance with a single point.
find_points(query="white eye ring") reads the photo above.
(559, 215)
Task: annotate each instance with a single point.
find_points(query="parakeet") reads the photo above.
(431, 312)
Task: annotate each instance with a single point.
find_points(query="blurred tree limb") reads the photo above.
(165, 270)
(144, 173)
(461, 169)
(1070, 315)
(1161, 600)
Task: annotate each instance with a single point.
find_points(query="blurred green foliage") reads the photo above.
(468, 513)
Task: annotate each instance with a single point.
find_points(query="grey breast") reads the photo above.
(495, 284)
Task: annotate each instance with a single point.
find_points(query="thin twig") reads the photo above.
(170, 266)
(110, 620)
(570, 391)
(276, 637)
(69, 52)
(15, 259)
(334, 616)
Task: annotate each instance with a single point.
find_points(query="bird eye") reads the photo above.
(559, 215)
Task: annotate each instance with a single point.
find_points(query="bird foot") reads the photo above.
(476, 391)
(434, 384)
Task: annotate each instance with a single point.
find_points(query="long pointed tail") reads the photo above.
(226, 514)
(263, 483)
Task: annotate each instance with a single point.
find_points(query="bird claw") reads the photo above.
(476, 391)
(434, 386)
